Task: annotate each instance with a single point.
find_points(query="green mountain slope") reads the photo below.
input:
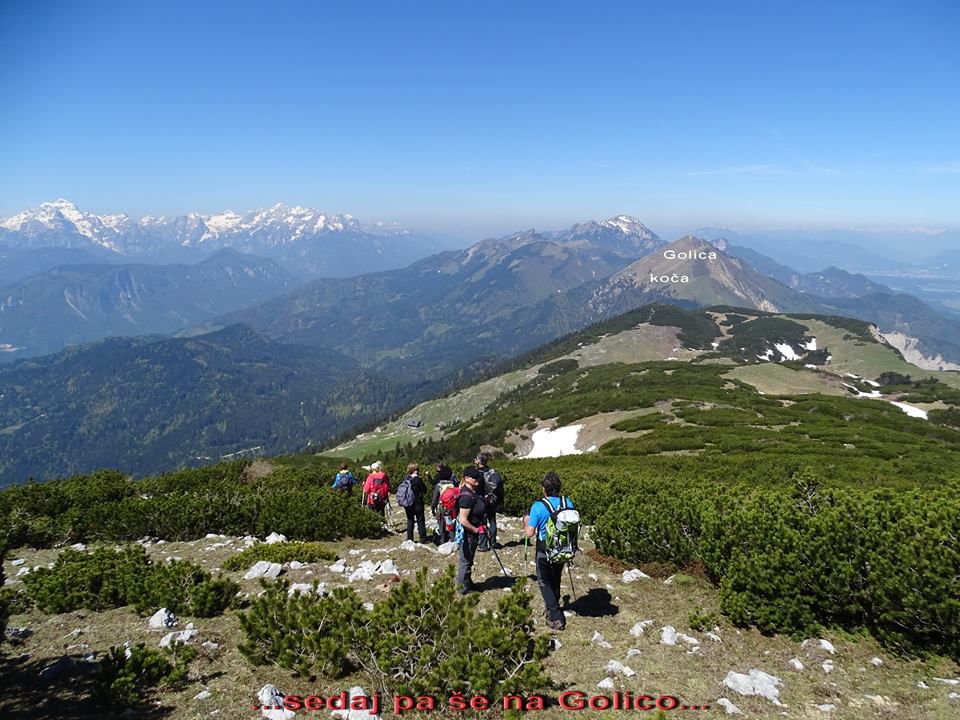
(146, 405)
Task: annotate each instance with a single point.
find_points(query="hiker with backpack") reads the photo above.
(492, 490)
(410, 493)
(344, 480)
(444, 505)
(555, 525)
(472, 516)
(376, 489)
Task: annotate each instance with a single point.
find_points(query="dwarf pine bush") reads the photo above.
(107, 578)
(127, 674)
(421, 639)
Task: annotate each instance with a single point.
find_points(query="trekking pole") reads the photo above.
(572, 588)
(526, 546)
(493, 549)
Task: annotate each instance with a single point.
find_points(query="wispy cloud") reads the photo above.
(946, 169)
(763, 169)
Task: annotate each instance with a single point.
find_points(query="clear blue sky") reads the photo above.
(487, 116)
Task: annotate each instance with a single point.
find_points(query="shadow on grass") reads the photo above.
(69, 695)
(596, 603)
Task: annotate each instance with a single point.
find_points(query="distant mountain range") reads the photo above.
(383, 340)
(307, 242)
(73, 304)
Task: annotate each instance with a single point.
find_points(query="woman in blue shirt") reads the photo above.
(548, 573)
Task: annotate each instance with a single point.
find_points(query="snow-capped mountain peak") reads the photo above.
(628, 225)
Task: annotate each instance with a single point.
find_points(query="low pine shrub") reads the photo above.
(127, 674)
(280, 552)
(107, 578)
(421, 639)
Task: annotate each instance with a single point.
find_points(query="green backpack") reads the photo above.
(563, 532)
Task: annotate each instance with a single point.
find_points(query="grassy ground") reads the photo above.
(605, 604)
(867, 359)
(775, 379)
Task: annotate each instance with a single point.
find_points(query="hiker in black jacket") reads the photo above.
(412, 501)
(491, 487)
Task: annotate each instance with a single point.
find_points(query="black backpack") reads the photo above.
(493, 488)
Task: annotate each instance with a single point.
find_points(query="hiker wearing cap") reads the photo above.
(491, 488)
(549, 572)
(410, 494)
(472, 511)
(376, 489)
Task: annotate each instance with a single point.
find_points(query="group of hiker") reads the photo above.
(466, 513)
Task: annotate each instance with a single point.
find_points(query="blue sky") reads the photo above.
(486, 117)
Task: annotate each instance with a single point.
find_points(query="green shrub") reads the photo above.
(559, 366)
(280, 552)
(419, 640)
(126, 674)
(4, 596)
(106, 578)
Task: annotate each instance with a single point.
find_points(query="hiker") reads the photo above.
(376, 489)
(410, 493)
(472, 518)
(492, 490)
(344, 479)
(444, 504)
(553, 551)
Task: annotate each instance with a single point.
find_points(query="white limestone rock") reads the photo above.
(630, 576)
(273, 538)
(615, 667)
(163, 618)
(606, 684)
(637, 630)
(876, 662)
(271, 703)
(265, 569)
(184, 636)
(597, 639)
(755, 682)
(730, 708)
(796, 664)
(448, 548)
(355, 692)
(668, 635)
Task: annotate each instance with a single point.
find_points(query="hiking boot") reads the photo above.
(467, 590)
(556, 624)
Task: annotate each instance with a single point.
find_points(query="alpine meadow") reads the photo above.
(384, 360)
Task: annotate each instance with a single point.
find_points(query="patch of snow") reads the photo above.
(787, 351)
(811, 345)
(910, 410)
(756, 682)
(766, 355)
(555, 443)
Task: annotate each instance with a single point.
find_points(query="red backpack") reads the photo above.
(448, 501)
(379, 490)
